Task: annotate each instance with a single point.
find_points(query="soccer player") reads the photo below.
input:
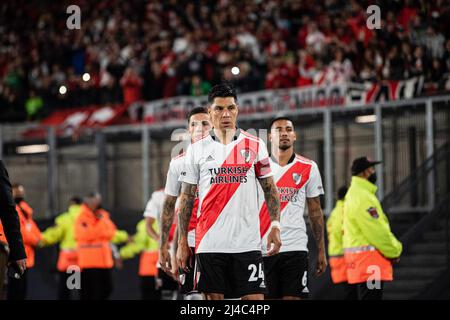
(198, 125)
(298, 182)
(153, 212)
(225, 166)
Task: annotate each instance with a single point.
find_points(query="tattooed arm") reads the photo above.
(273, 207)
(187, 199)
(166, 223)
(167, 218)
(317, 226)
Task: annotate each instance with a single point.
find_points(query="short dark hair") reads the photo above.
(93, 194)
(342, 191)
(75, 199)
(195, 111)
(278, 119)
(222, 90)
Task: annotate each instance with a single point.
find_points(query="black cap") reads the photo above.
(361, 164)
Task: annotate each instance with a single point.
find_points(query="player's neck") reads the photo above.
(225, 136)
(282, 156)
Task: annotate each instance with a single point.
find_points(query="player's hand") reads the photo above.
(174, 273)
(321, 263)
(273, 241)
(184, 254)
(165, 259)
(21, 264)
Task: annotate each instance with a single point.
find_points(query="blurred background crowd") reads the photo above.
(136, 50)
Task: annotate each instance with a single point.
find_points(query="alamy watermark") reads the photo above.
(374, 17)
(74, 20)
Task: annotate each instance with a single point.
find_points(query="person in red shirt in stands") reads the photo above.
(131, 84)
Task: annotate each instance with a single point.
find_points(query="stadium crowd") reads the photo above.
(131, 50)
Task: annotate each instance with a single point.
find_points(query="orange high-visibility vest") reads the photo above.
(335, 246)
(93, 235)
(338, 269)
(148, 264)
(67, 258)
(29, 230)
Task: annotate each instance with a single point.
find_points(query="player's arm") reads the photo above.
(166, 224)
(317, 225)
(149, 226)
(272, 198)
(187, 199)
(167, 219)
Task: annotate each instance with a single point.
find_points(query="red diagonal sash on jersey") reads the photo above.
(219, 194)
(286, 180)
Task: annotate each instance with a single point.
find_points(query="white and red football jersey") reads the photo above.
(296, 181)
(173, 188)
(154, 206)
(226, 176)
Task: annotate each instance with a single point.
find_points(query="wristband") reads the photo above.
(275, 224)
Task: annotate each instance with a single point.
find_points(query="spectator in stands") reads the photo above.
(131, 84)
(33, 105)
(169, 43)
(199, 87)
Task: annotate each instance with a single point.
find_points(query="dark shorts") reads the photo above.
(186, 279)
(231, 274)
(166, 282)
(287, 275)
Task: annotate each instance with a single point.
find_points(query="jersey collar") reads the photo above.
(235, 137)
(364, 184)
(291, 159)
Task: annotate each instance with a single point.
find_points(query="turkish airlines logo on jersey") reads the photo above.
(297, 178)
(248, 155)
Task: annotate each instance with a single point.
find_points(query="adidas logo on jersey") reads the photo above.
(305, 290)
(210, 158)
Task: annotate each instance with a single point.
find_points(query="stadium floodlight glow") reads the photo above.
(366, 119)
(235, 71)
(62, 90)
(33, 148)
(86, 77)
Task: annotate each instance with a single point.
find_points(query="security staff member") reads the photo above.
(336, 249)
(148, 265)
(62, 232)
(12, 250)
(94, 231)
(17, 288)
(370, 248)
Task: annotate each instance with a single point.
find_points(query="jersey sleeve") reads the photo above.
(173, 184)
(262, 165)
(314, 187)
(191, 172)
(152, 208)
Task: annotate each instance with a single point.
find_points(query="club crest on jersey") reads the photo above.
(247, 154)
(373, 212)
(297, 178)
